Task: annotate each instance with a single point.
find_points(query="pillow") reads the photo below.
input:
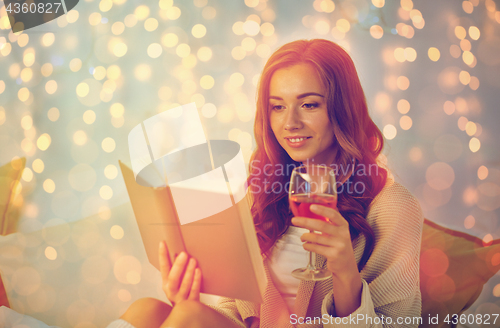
(10, 174)
(454, 266)
(4, 301)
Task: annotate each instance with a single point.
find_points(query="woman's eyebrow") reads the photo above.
(303, 95)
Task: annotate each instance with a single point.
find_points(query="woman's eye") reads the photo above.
(276, 107)
(310, 105)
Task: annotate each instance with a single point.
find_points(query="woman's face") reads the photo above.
(299, 115)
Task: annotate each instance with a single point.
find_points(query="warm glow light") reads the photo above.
(82, 89)
(53, 114)
(376, 31)
(116, 232)
(99, 73)
(142, 72)
(48, 39)
(155, 50)
(38, 165)
(322, 27)
(251, 27)
(474, 144)
(449, 107)
(248, 44)
(403, 106)
(75, 64)
(465, 45)
(150, 24)
(130, 20)
(26, 74)
(267, 29)
(482, 172)
(49, 186)
(407, 5)
(106, 192)
(27, 174)
(263, 50)
(95, 19)
(80, 137)
(464, 77)
(209, 110)
(108, 145)
(51, 87)
(440, 176)
(50, 253)
(378, 3)
(207, 82)
(474, 33)
(460, 32)
(399, 55)
(141, 12)
(410, 54)
(238, 53)
(183, 50)
(116, 110)
(113, 72)
(89, 116)
(43, 141)
(462, 122)
(199, 31)
(433, 54)
(117, 28)
(120, 49)
(165, 4)
(405, 122)
(390, 131)
(204, 54)
(468, 7)
(469, 222)
(468, 57)
(474, 83)
(343, 25)
(27, 122)
(110, 171)
(23, 94)
(470, 128)
(403, 82)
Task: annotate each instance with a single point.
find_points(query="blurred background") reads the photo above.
(72, 89)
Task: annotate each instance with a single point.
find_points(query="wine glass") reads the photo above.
(312, 184)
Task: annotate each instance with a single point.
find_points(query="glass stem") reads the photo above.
(310, 265)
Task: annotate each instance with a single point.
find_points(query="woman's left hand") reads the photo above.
(330, 239)
(333, 241)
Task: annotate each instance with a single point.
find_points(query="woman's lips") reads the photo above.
(296, 142)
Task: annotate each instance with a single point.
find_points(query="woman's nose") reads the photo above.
(292, 120)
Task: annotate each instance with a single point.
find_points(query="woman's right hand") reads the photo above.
(182, 280)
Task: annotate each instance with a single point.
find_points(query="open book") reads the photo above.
(193, 199)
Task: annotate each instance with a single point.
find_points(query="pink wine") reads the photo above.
(300, 204)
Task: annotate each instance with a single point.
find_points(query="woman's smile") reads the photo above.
(299, 114)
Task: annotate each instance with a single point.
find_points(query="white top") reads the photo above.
(288, 255)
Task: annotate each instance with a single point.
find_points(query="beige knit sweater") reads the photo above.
(390, 277)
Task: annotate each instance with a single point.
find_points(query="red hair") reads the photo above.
(357, 138)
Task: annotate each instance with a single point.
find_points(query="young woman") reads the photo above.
(311, 109)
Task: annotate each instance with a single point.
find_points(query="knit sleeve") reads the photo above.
(391, 287)
(227, 307)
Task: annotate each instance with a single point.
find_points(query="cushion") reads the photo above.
(3, 294)
(10, 174)
(454, 266)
